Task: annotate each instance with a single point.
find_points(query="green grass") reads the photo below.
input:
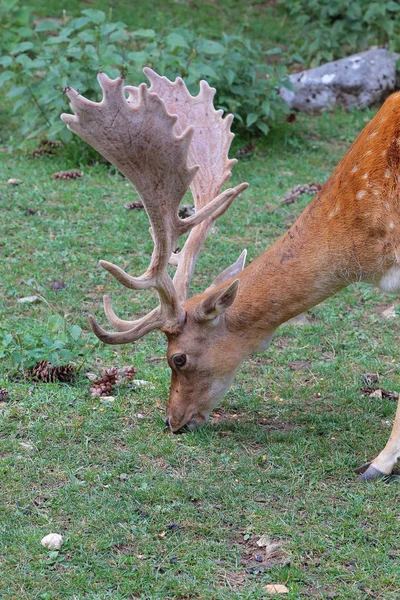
(279, 454)
(260, 20)
(279, 457)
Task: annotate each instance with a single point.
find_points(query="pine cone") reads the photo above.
(134, 205)
(67, 175)
(109, 378)
(45, 147)
(245, 150)
(43, 371)
(64, 373)
(297, 190)
(104, 385)
(4, 395)
(129, 372)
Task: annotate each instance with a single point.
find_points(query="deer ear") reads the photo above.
(229, 272)
(217, 303)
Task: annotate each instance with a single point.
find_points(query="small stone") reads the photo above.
(14, 181)
(263, 541)
(390, 313)
(52, 541)
(142, 383)
(123, 476)
(91, 376)
(27, 445)
(28, 300)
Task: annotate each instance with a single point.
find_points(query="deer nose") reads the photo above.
(167, 423)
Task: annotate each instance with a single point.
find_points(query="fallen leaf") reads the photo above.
(276, 588)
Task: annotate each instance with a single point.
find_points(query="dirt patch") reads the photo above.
(272, 425)
(222, 417)
(258, 559)
(124, 548)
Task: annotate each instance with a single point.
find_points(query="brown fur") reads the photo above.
(350, 232)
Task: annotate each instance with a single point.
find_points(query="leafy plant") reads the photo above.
(55, 54)
(15, 24)
(343, 27)
(61, 344)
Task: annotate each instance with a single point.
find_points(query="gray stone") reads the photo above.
(355, 81)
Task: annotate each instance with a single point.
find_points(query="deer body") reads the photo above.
(350, 232)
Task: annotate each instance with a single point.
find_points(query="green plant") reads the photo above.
(15, 24)
(56, 54)
(343, 27)
(60, 344)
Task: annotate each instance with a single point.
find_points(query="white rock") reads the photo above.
(53, 541)
(14, 181)
(28, 300)
(355, 81)
(139, 383)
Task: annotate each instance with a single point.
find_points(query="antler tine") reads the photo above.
(209, 149)
(120, 324)
(138, 137)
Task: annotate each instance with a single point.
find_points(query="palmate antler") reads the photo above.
(163, 141)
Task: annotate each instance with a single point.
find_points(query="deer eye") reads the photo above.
(179, 360)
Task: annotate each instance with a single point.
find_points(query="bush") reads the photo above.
(52, 55)
(331, 29)
(57, 342)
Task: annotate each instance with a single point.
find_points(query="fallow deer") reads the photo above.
(164, 141)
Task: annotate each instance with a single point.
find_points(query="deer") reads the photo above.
(166, 141)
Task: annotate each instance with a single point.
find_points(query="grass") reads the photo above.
(153, 516)
(278, 458)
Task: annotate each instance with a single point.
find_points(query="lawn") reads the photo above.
(146, 514)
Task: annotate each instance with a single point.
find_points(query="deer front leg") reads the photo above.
(386, 460)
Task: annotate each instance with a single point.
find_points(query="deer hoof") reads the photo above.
(362, 468)
(370, 474)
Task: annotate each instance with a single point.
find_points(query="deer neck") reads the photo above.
(324, 251)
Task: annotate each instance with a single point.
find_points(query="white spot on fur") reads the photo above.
(361, 194)
(382, 119)
(383, 153)
(354, 169)
(390, 282)
(334, 212)
(368, 152)
(376, 192)
(372, 135)
(365, 176)
(387, 173)
(391, 225)
(387, 204)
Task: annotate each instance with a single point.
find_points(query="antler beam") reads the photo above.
(153, 149)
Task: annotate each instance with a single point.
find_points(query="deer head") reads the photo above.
(164, 141)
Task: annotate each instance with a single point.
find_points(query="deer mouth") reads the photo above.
(186, 427)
